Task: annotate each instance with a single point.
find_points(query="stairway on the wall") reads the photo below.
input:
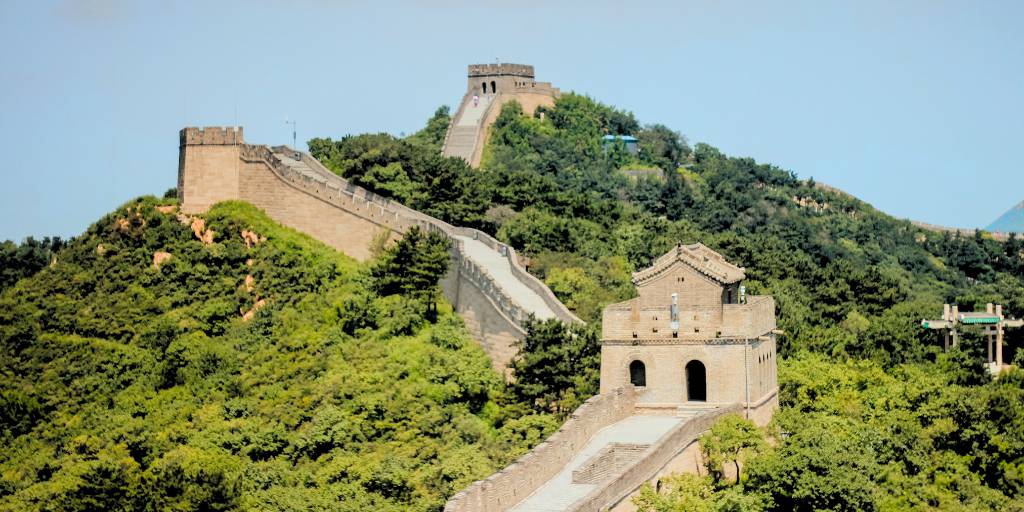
(467, 129)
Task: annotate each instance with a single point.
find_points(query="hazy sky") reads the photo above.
(915, 107)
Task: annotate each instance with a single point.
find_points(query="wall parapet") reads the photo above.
(964, 232)
(211, 135)
(755, 318)
(502, 69)
(515, 482)
(656, 457)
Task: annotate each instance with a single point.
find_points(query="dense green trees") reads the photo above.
(853, 436)
(145, 369)
(279, 375)
(27, 258)
(851, 284)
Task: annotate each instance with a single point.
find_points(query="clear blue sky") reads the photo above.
(915, 106)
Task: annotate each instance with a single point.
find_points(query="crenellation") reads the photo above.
(501, 69)
(211, 135)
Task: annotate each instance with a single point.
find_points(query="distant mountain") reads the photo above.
(1011, 221)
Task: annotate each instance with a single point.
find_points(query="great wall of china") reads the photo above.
(616, 440)
(486, 283)
(489, 86)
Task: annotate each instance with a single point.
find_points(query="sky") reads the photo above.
(916, 107)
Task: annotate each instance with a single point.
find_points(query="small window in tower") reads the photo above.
(637, 374)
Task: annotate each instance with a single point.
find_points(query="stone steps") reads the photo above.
(464, 133)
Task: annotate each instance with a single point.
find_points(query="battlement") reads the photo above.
(503, 69)
(212, 136)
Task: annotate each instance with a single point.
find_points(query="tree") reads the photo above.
(413, 265)
(731, 439)
(557, 365)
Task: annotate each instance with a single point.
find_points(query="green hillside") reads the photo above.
(874, 416)
(134, 379)
(223, 362)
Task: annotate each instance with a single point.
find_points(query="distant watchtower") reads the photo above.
(488, 87)
(491, 78)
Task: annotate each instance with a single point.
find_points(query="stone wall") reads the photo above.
(215, 166)
(511, 485)
(211, 157)
(651, 462)
(608, 462)
(996, 235)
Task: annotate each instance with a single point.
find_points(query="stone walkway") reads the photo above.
(558, 493)
(496, 265)
(471, 115)
(501, 270)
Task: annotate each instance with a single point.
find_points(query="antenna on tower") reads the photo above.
(292, 122)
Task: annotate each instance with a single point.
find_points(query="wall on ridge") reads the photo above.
(215, 165)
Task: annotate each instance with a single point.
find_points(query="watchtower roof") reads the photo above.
(698, 257)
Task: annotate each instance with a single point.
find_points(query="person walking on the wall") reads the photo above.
(476, 100)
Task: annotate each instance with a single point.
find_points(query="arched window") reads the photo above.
(637, 374)
(494, 87)
(696, 382)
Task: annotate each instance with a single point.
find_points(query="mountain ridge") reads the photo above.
(1012, 221)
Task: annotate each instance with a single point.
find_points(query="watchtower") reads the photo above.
(692, 337)
(493, 78)
(208, 166)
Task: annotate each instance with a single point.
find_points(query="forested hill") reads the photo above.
(876, 416)
(849, 280)
(222, 362)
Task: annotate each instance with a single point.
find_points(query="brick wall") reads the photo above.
(215, 166)
(511, 485)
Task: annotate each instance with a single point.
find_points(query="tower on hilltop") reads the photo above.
(488, 87)
(489, 78)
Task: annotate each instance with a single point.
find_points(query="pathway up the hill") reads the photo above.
(500, 269)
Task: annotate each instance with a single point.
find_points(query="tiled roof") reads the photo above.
(698, 257)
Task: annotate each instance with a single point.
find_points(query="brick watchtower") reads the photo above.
(692, 337)
(494, 78)
(208, 166)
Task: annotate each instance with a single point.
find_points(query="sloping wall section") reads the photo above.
(297, 191)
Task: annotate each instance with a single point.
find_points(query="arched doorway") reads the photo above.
(696, 382)
(637, 374)
(483, 85)
(494, 87)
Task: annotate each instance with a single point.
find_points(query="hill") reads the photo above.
(1010, 222)
(865, 391)
(223, 362)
